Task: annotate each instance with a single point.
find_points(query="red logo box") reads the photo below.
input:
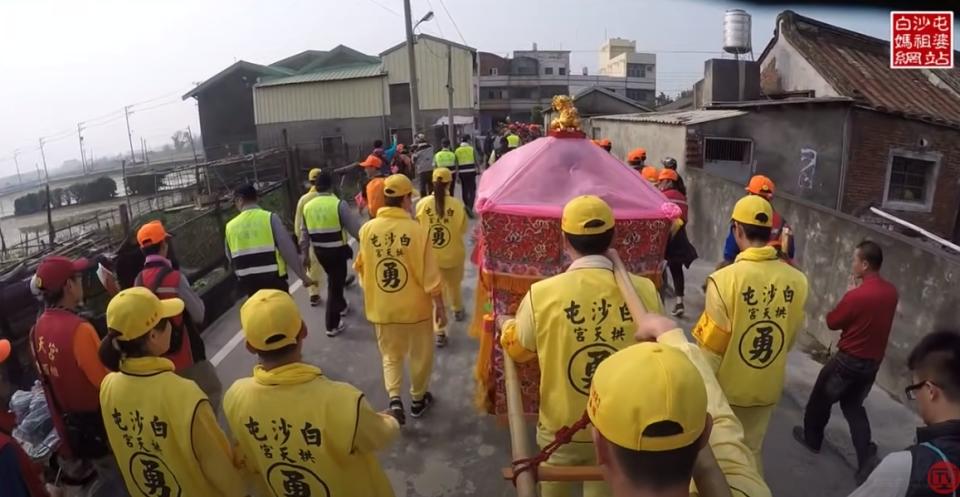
(921, 40)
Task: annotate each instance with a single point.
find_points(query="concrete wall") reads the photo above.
(660, 140)
(302, 133)
(353, 98)
(783, 69)
(800, 147)
(925, 276)
(226, 114)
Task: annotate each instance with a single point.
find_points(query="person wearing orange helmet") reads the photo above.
(605, 144)
(637, 158)
(680, 252)
(763, 186)
(671, 163)
(651, 174)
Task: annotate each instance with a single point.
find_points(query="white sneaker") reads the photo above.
(338, 330)
(346, 310)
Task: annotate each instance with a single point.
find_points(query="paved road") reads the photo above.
(455, 451)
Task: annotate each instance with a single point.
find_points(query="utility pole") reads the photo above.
(51, 233)
(126, 114)
(192, 145)
(412, 61)
(450, 128)
(83, 159)
(17, 163)
(43, 157)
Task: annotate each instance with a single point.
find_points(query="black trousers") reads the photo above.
(676, 271)
(426, 183)
(468, 189)
(256, 282)
(334, 263)
(845, 379)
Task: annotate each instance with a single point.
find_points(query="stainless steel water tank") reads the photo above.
(736, 32)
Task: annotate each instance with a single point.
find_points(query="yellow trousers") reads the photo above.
(571, 454)
(452, 291)
(755, 421)
(315, 273)
(397, 342)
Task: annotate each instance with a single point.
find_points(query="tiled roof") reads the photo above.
(355, 71)
(858, 66)
(680, 117)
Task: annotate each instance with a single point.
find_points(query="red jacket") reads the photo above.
(31, 474)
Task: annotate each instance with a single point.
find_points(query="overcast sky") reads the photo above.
(83, 60)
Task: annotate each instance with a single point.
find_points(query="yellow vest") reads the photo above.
(393, 247)
(581, 319)
(446, 233)
(299, 428)
(445, 158)
(465, 155)
(252, 247)
(148, 413)
(763, 298)
(322, 217)
(513, 141)
(298, 215)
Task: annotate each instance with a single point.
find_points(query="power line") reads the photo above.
(444, 5)
(384, 7)
(430, 4)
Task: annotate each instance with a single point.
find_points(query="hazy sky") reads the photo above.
(83, 60)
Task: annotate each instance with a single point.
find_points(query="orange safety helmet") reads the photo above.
(668, 174)
(650, 174)
(762, 186)
(638, 154)
(605, 143)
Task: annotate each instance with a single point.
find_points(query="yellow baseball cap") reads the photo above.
(586, 215)
(754, 210)
(398, 185)
(270, 320)
(135, 311)
(442, 175)
(313, 174)
(672, 391)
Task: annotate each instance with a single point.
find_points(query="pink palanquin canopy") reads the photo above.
(539, 178)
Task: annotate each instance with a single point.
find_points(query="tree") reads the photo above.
(663, 99)
(56, 197)
(180, 140)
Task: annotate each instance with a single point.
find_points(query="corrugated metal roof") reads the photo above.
(332, 74)
(679, 118)
(858, 66)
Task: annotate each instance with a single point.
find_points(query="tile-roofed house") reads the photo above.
(851, 64)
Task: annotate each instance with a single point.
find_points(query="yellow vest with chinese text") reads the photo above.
(445, 158)
(299, 427)
(581, 319)
(148, 413)
(445, 233)
(393, 248)
(252, 247)
(763, 298)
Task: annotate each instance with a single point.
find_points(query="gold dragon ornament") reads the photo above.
(568, 118)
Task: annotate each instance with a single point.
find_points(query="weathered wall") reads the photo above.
(800, 147)
(432, 73)
(308, 134)
(783, 69)
(353, 98)
(226, 114)
(660, 140)
(926, 277)
(874, 136)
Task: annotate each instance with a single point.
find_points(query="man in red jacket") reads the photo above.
(19, 476)
(865, 314)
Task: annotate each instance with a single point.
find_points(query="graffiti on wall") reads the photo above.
(808, 168)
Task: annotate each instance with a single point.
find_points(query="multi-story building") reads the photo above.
(515, 87)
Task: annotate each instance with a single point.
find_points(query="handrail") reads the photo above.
(519, 441)
(901, 222)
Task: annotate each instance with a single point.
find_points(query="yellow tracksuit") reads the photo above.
(315, 272)
(753, 311)
(446, 231)
(571, 323)
(398, 272)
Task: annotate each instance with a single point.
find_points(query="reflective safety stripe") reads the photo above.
(322, 219)
(465, 155)
(469, 168)
(252, 247)
(257, 270)
(445, 158)
(166, 289)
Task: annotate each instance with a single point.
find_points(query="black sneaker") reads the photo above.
(677, 310)
(351, 279)
(460, 315)
(338, 330)
(315, 300)
(396, 410)
(441, 340)
(801, 438)
(418, 407)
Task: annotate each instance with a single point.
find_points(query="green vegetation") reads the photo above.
(103, 188)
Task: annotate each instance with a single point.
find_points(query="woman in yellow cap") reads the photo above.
(445, 219)
(161, 427)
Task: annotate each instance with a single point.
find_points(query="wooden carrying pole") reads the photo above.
(519, 442)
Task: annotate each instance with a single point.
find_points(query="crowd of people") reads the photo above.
(136, 411)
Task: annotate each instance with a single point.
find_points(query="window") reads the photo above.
(548, 70)
(331, 144)
(562, 71)
(911, 178)
(494, 71)
(636, 71)
(492, 94)
(639, 95)
(727, 150)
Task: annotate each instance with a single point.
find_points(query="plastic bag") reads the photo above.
(34, 432)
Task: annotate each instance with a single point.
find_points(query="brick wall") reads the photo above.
(873, 135)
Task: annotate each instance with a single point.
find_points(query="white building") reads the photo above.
(619, 58)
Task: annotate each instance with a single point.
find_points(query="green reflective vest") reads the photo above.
(513, 141)
(251, 244)
(465, 155)
(445, 158)
(322, 218)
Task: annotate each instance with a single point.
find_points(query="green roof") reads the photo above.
(353, 71)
